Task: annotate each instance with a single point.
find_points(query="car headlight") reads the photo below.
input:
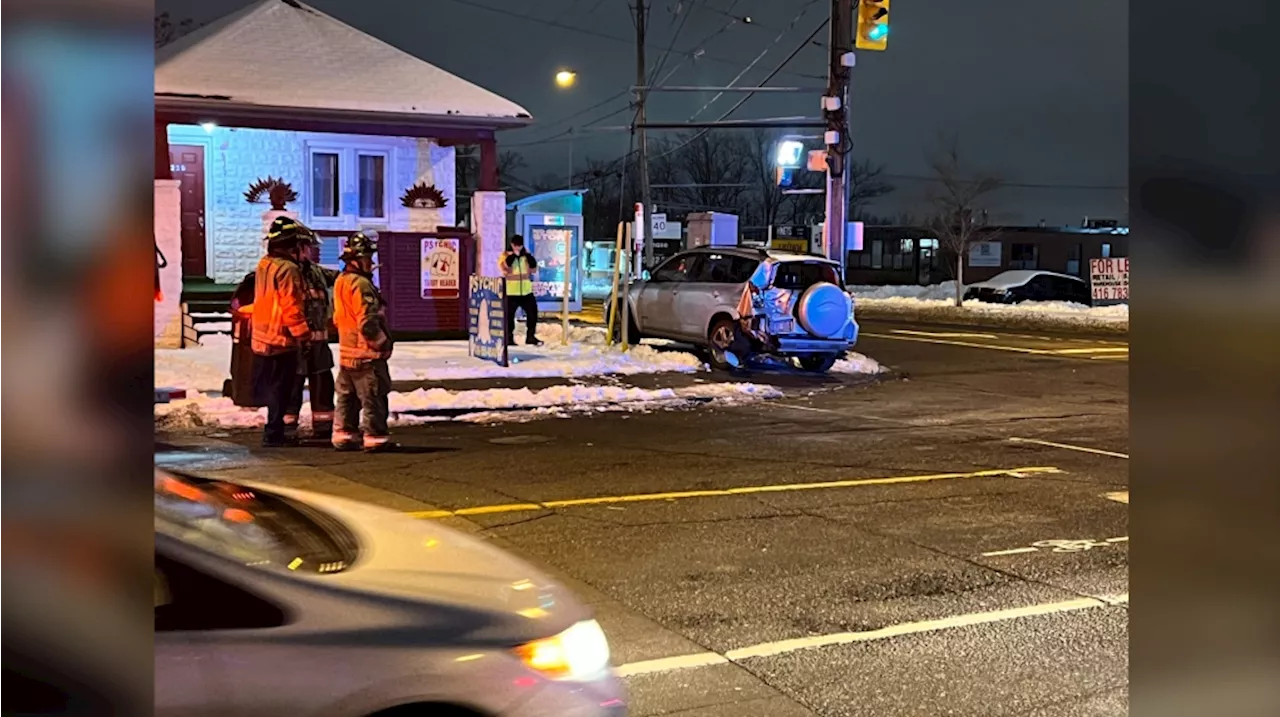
(579, 652)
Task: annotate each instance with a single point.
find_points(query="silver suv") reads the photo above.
(741, 301)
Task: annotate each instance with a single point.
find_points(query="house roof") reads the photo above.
(286, 54)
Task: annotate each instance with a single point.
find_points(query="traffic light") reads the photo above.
(873, 25)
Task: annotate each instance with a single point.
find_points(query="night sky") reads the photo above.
(1036, 91)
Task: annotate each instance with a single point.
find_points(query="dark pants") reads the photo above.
(321, 388)
(363, 390)
(274, 378)
(530, 306)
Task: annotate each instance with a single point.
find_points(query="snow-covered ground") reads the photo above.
(205, 367)
(477, 406)
(937, 302)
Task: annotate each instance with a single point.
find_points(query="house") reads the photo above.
(280, 89)
(912, 255)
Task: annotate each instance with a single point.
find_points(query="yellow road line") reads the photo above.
(1095, 350)
(970, 344)
(1069, 447)
(944, 335)
(722, 492)
(1123, 357)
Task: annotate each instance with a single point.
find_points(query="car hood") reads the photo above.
(404, 557)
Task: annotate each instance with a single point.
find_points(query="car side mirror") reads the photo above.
(646, 275)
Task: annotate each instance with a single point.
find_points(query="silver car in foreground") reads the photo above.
(741, 300)
(284, 602)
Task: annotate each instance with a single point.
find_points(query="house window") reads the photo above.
(877, 254)
(1106, 251)
(325, 188)
(929, 253)
(372, 177)
(1024, 256)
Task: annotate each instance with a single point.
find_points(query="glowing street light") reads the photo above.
(566, 78)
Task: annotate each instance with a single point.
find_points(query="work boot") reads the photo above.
(379, 444)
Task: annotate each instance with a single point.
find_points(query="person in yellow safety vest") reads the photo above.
(364, 345)
(518, 265)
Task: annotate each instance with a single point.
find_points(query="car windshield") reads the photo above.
(249, 525)
(800, 275)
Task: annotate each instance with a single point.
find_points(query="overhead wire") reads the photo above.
(603, 35)
(748, 95)
(803, 11)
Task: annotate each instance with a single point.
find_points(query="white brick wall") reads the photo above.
(234, 158)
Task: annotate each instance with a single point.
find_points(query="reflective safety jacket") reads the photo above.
(361, 317)
(318, 306)
(518, 270)
(278, 295)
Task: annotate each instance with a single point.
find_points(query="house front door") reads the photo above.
(186, 162)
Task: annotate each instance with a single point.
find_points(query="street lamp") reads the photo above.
(566, 78)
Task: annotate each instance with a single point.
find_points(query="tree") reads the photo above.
(866, 183)
(765, 197)
(955, 203)
(715, 167)
(167, 30)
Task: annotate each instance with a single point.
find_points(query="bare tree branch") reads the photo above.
(166, 30)
(955, 203)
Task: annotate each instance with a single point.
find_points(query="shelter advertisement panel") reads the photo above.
(551, 247)
(487, 319)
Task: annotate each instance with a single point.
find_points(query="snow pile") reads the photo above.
(945, 290)
(937, 303)
(203, 410)
(857, 363)
(205, 367)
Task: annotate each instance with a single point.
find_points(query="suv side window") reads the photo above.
(1038, 287)
(188, 599)
(677, 268)
(722, 269)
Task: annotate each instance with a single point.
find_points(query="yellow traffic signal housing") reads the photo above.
(873, 25)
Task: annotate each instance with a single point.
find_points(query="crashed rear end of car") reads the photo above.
(808, 320)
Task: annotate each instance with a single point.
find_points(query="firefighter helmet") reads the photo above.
(358, 245)
(286, 232)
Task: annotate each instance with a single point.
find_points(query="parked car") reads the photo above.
(1012, 287)
(734, 300)
(272, 601)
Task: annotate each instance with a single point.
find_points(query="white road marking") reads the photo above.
(1059, 546)
(1069, 447)
(805, 408)
(770, 649)
(1014, 551)
(665, 664)
(1121, 496)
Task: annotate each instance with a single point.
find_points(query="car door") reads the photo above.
(658, 297)
(716, 287)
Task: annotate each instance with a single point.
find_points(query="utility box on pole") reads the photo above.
(713, 229)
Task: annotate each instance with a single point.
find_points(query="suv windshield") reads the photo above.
(250, 526)
(800, 275)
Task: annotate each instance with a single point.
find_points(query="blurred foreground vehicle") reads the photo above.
(283, 602)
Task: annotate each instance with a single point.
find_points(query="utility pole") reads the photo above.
(835, 110)
(642, 94)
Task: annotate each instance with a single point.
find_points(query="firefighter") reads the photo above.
(315, 371)
(364, 345)
(518, 265)
(280, 329)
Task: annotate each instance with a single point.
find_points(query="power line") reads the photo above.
(749, 95)
(606, 36)
(803, 10)
(749, 20)
(557, 136)
(685, 12)
(1018, 185)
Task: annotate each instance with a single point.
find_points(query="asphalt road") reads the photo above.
(950, 541)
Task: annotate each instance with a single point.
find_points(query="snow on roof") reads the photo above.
(284, 53)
